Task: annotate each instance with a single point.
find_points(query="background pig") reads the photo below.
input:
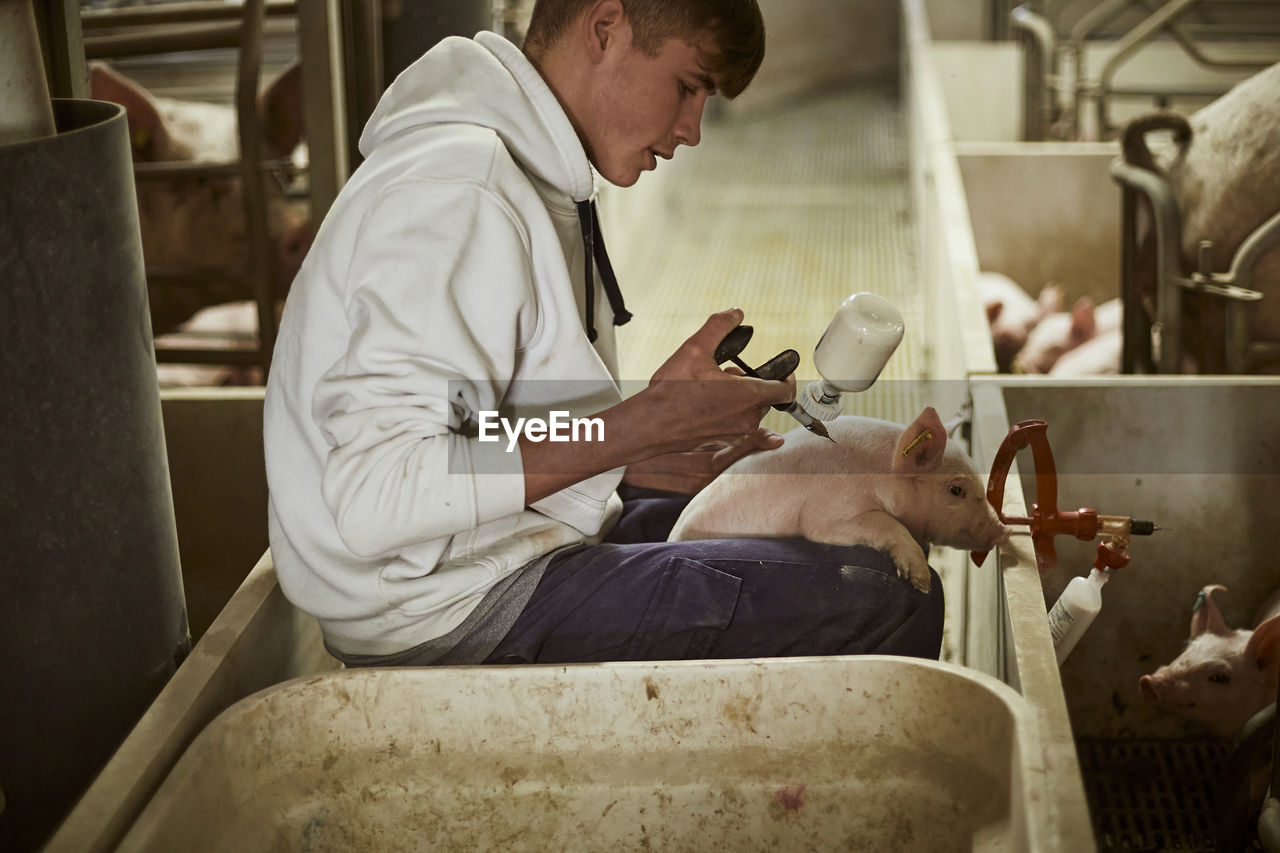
(1062, 332)
(1098, 356)
(1224, 170)
(881, 484)
(1224, 676)
(197, 223)
(1012, 313)
(226, 326)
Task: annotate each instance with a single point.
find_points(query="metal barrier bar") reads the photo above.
(204, 355)
(194, 33)
(1167, 225)
(169, 40)
(175, 13)
(160, 170)
(253, 192)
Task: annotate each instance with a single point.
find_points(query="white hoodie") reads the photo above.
(446, 281)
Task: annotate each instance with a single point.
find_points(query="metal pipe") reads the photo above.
(1235, 342)
(1096, 17)
(175, 13)
(253, 193)
(1133, 39)
(164, 169)
(1168, 230)
(1170, 92)
(1039, 27)
(1039, 96)
(191, 355)
(1258, 243)
(162, 41)
(1187, 43)
(1127, 44)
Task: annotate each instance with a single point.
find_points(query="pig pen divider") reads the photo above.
(1065, 231)
(1156, 344)
(1193, 454)
(1061, 98)
(197, 33)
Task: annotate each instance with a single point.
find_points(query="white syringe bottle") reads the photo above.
(1075, 610)
(852, 352)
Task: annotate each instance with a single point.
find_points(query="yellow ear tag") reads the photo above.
(907, 451)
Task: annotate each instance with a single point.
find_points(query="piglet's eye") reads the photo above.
(957, 490)
(1221, 678)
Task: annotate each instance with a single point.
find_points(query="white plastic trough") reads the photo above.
(870, 753)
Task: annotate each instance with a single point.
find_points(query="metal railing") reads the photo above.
(199, 26)
(1154, 339)
(1066, 101)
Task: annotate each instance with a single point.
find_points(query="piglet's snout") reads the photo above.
(1150, 689)
(998, 533)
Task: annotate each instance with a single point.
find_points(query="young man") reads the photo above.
(460, 281)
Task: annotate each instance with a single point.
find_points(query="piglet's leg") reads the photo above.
(878, 529)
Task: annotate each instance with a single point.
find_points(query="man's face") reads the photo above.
(645, 106)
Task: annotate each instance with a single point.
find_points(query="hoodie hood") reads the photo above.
(486, 81)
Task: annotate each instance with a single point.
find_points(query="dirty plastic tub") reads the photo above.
(866, 753)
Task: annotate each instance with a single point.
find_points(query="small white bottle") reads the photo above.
(1075, 610)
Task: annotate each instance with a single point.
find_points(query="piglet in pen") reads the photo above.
(197, 223)
(1012, 313)
(1221, 681)
(1224, 676)
(1098, 356)
(230, 326)
(1062, 332)
(895, 488)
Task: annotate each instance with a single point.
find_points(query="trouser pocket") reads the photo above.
(691, 605)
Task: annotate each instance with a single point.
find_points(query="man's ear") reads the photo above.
(604, 23)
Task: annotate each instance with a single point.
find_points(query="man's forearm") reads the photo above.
(550, 466)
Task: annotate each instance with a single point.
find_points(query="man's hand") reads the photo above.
(689, 472)
(691, 402)
(690, 423)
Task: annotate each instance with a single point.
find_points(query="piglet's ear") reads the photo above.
(147, 130)
(921, 444)
(1205, 615)
(1050, 300)
(1084, 324)
(1263, 649)
(280, 110)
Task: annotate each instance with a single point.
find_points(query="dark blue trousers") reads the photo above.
(636, 596)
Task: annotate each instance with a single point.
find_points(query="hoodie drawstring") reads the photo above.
(593, 248)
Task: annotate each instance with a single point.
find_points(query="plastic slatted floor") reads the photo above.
(1154, 795)
(785, 214)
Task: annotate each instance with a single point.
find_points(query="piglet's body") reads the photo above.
(1224, 676)
(880, 484)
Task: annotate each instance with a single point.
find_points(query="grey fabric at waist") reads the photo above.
(478, 635)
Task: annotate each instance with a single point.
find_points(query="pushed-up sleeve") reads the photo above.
(439, 296)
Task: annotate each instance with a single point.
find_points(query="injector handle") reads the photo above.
(1046, 519)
